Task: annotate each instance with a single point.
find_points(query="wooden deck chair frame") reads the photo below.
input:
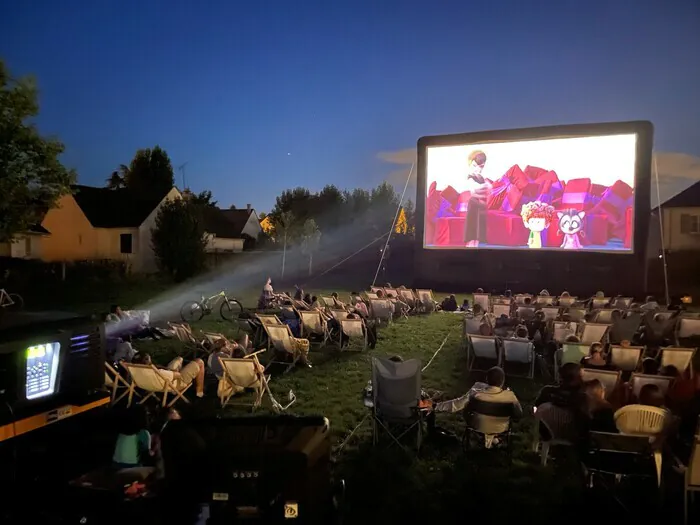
(603, 338)
(276, 351)
(607, 377)
(472, 357)
(116, 381)
(421, 295)
(619, 354)
(268, 320)
(374, 316)
(687, 353)
(169, 387)
(305, 331)
(679, 327)
(350, 322)
(259, 390)
(184, 334)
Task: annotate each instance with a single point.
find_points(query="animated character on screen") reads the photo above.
(537, 216)
(571, 225)
(480, 188)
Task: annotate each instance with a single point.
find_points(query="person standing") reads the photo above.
(480, 188)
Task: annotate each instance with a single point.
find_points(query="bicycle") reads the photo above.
(229, 308)
(11, 301)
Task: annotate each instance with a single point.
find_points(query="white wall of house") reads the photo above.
(146, 260)
(22, 247)
(681, 230)
(219, 244)
(252, 227)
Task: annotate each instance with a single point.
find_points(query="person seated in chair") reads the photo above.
(359, 306)
(179, 375)
(133, 447)
(600, 411)
(595, 357)
(338, 303)
(650, 303)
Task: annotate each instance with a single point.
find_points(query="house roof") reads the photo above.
(38, 229)
(688, 198)
(216, 222)
(239, 218)
(122, 208)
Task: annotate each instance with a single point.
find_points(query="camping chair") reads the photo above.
(637, 381)
(563, 329)
(313, 324)
(351, 329)
(599, 302)
(604, 315)
(551, 313)
(115, 381)
(544, 300)
(569, 353)
(183, 333)
(566, 301)
(643, 420)
(687, 328)
(626, 358)
(381, 310)
(396, 389)
(520, 352)
(283, 344)
(150, 379)
(482, 347)
(560, 429)
(609, 378)
(483, 300)
(594, 332)
(681, 358)
(692, 477)
(501, 309)
(488, 420)
(239, 375)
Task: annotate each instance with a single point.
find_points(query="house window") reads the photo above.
(125, 243)
(690, 224)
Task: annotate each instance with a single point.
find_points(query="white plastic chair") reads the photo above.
(520, 352)
(482, 347)
(643, 420)
(626, 358)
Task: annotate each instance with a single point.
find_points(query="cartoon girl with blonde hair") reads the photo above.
(537, 216)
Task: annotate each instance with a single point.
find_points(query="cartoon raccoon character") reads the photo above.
(571, 225)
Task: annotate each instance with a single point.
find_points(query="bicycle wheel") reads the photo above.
(192, 311)
(230, 309)
(17, 302)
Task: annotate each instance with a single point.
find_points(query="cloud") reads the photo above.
(677, 172)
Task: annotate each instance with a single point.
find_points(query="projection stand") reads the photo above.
(393, 224)
(661, 232)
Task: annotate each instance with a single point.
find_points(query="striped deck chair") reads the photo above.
(153, 381)
(240, 375)
(314, 324)
(284, 345)
(351, 329)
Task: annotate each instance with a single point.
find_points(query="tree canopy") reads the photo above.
(150, 172)
(32, 178)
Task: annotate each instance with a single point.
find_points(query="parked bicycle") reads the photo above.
(229, 307)
(11, 301)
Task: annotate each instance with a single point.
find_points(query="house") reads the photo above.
(228, 230)
(26, 245)
(103, 224)
(681, 223)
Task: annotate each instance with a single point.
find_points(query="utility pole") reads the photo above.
(181, 167)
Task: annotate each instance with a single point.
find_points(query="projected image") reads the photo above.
(551, 194)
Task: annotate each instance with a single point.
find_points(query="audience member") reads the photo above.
(267, 296)
(650, 366)
(449, 304)
(179, 375)
(124, 353)
(650, 303)
(651, 395)
(133, 445)
(595, 358)
(465, 306)
(298, 293)
(307, 298)
(600, 411)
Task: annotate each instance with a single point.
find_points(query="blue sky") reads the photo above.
(261, 96)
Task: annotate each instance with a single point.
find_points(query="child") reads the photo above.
(133, 444)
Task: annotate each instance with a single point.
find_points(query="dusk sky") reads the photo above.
(266, 95)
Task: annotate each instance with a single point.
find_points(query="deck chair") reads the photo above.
(114, 381)
(626, 358)
(329, 302)
(313, 324)
(604, 315)
(681, 358)
(370, 295)
(501, 309)
(609, 378)
(526, 313)
(426, 300)
(566, 301)
(282, 343)
(520, 352)
(569, 353)
(544, 300)
(483, 300)
(551, 313)
(593, 332)
(471, 325)
(269, 319)
(353, 329)
(643, 420)
(408, 296)
(637, 381)
(150, 379)
(577, 315)
(381, 310)
(600, 302)
(488, 420)
(482, 347)
(687, 328)
(626, 328)
(622, 302)
(392, 292)
(183, 333)
(520, 298)
(239, 375)
(559, 429)
(563, 329)
(396, 389)
(339, 315)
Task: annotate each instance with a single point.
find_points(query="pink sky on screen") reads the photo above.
(603, 159)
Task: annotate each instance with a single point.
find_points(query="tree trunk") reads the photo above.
(311, 258)
(284, 254)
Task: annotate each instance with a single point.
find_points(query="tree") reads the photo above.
(117, 180)
(410, 210)
(32, 178)
(204, 199)
(285, 228)
(150, 172)
(178, 240)
(401, 226)
(298, 201)
(310, 239)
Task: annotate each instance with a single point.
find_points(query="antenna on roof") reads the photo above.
(181, 167)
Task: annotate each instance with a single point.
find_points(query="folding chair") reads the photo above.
(637, 381)
(626, 358)
(489, 421)
(687, 328)
(520, 352)
(313, 324)
(609, 378)
(681, 358)
(563, 329)
(408, 296)
(594, 332)
(569, 353)
(396, 389)
(329, 302)
(339, 315)
(577, 315)
(622, 302)
(551, 313)
(604, 315)
(599, 302)
(268, 320)
(483, 300)
(376, 289)
(183, 333)
(625, 329)
(501, 309)
(351, 329)
(544, 300)
(239, 375)
(482, 347)
(381, 310)
(526, 313)
(391, 292)
(152, 380)
(520, 299)
(114, 381)
(426, 300)
(566, 301)
(370, 295)
(281, 340)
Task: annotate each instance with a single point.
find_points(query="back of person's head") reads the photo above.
(485, 329)
(453, 298)
(565, 294)
(334, 295)
(396, 359)
(132, 420)
(650, 395)
(595, 348)
(314, 299)
(599, 294)
(650, 366)
(649, 299)
(113, 309)
(544, 293)
(477, 309)
(126, 338)
(354, 294)
(658, 318)
(508, 294)
(298, 294)
(670, 371)
(307, 298)
(527, 300)
(142, 358)
(380, 293)
(594, 388)
(539, 315)
(465, 302)
(495, 376)
(616, 315)
(352, 316)
(479, 290)
(572, 339)
(570, 375)
(521, 332)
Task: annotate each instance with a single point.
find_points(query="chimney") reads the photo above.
(247, 207)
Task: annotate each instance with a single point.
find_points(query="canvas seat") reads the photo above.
(313, 324)
(483, 300)
(637, 381)
(593, 332)
(626, 358)
(563, 329)
(488, 420)
(482, 347)
(501, 309)
(353, 329)
(284, 345)
(153, 381)
(426, 300)
(381, 310)
(681, 358)
(240, 375)
(609, 378)
(115, 382)
(193, 346)
(520, 352)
